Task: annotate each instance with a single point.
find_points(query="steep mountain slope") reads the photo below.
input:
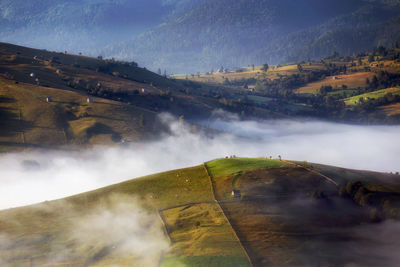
(239, 33)
(81, 26)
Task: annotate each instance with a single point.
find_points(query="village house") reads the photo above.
(236, 193)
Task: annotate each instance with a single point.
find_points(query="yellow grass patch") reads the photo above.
(350, 80)
(66, 118)
(200, 229)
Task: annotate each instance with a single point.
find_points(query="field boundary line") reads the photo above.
(187, 204)
(223, 213)
(314, 171)
(165, 229)
(164, 224)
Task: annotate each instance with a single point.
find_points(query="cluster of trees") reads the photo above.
(392, 53)
(237, 106)
(284, 86)
(327, 106)
(240, 82)
(381, 204)
(383, 79)
(265, 67)
(371, 104)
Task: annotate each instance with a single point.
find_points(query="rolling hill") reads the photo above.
(47, 100)
(52, 99)
(188, 216)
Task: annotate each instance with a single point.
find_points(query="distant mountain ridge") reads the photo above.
(243, 32)
(186, 36)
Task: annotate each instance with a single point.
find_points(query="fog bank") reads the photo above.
(31, 177)
(114, 231)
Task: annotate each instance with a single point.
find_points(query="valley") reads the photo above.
(75, 95)
(180, 133)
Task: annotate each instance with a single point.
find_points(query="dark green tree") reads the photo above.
(299, 68)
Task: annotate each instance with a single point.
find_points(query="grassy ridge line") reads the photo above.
(223, 212)
(224, 166)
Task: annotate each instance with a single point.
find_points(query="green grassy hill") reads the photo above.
(283, 213)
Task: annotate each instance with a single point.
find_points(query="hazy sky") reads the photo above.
(61, 174)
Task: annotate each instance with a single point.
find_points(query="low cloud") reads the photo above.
(31, 177)
(114, 232)
(378, 244)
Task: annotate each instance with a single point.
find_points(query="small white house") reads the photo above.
(143, 90)
(32, 74)
(58, 71)
(236, 193)
(49, 99)
(90, 100)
